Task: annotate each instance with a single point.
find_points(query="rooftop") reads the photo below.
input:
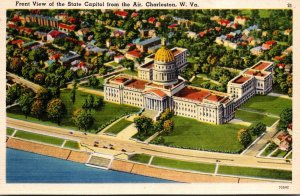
(148, 41)
(137, 84)
(119, 79)
(148, 65)
(241, 79)
(255, 73)
(262, 65)
(157, 92)
(193, 93)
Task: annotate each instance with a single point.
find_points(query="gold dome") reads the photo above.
(165, 55)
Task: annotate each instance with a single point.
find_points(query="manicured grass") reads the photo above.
(184, 165)
(141, 158)
(255, 118)
(198, 81)
(9, 131)
(119, 126)
(108, 113)
(39, 138)
(267, 104)
(290, 156)
(72, 144)
(255, 172)
(132, 73)
(268, 150)
(279, 153)
(193, 134)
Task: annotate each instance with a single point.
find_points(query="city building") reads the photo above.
(255, 80)
(165, 89)
(42, 20)
(144, 45)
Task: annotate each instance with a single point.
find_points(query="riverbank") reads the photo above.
(124, 165)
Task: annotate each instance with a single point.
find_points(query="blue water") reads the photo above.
(26, 167)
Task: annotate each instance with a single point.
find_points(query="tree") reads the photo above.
(56, 110)
(244, 137)
(258, 129)
(98, 103)
(73, 91)
(43, 95)
(38, 108)
(39, 78)
(25, 102)
(286, 118)
(144, 125)
(13, 93)
(168, 126)
(82, 119)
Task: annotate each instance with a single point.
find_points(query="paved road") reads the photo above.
(154, 150)
(254, 150)
(20, 80)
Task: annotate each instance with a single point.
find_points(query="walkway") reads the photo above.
(128, 132)
(22, 81)
(154, 150)
(280, 95)
(256, 112)
(239, 122)
(150, 113)
(254, 150)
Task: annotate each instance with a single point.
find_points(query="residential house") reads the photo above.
(55, 34)
(119, 58)
(66, 28)
(268, 45)
(283, 140)
(257, 51)
(241, 20)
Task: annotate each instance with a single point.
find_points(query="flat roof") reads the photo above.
(135, 83)
(148, 41)
(193, 93)
(255, 72)
(148, 65)
(119, 79)
(241, 79)
(262, 65)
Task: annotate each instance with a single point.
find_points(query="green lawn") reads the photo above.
(119, 126)
(72, 144)
(193, 134)
(263, 13)
(255, 172)
(184, 165)
(267, 104)
(107, 114)
(9, 131)
(254, 117)
(132, 73)
(290, 156)
(268, 150)
(198, 81)
(141, 158)
(39, 138)
(279, 153)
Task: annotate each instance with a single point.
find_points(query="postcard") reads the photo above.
(150, 97)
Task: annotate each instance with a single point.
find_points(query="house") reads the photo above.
(66, 28)
(223, 22)
(241, 20)
(192, 35)
(283, 140)
(133, 54)
(17, 42)
(281, 65)
(68, 58)
(220, 40)
(134, 14)
(147, 33)
(122, 14)
(83, 33)
(288, 68)
(119, 58)
(257, 51)
(78, 65)
(90, 49)
(55, 34)
(287, 32)
(49, 63)
(55, 57)
(157, 24)
(143, 46)
(268, 45)
(215, 18)
(41, 35)
(61, 16)
(288, 51)
(173, 26)
(151, 20)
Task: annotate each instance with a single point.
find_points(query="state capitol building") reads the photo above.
(159, 86)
